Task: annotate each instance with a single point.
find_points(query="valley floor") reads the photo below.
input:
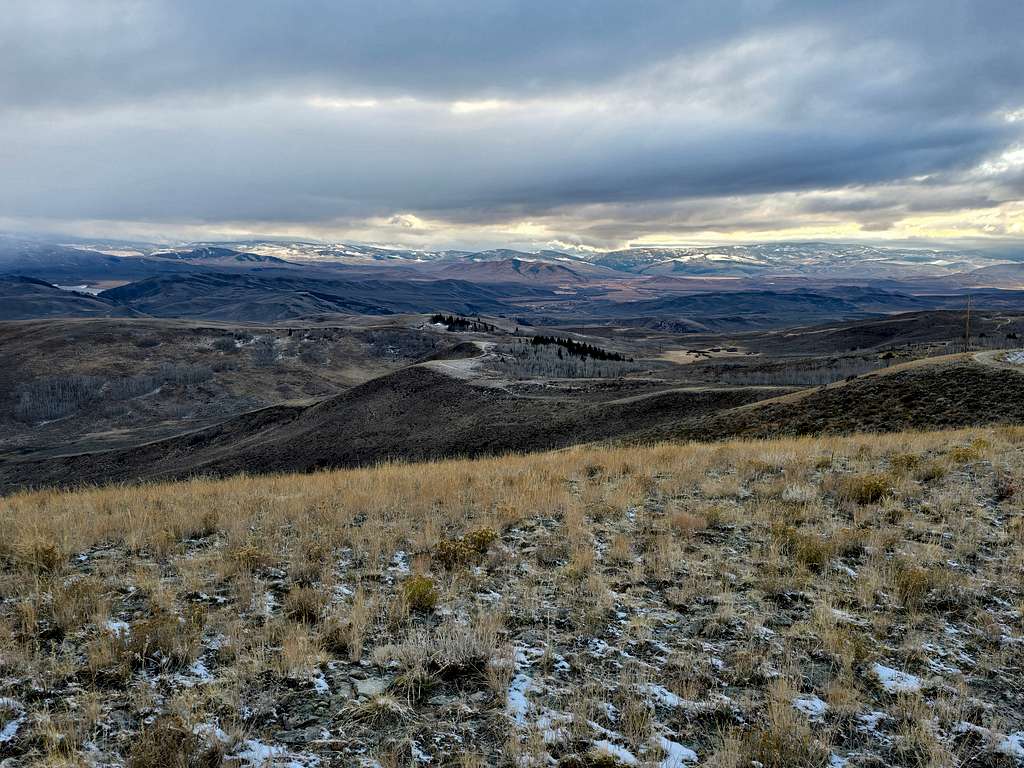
(804, 602)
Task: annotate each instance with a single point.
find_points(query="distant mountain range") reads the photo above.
(818, 259)
(731, 286)
(765, 259)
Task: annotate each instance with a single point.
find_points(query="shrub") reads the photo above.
(76, 602)
(866, 489)
(470, 548)
(596, 758)
(825, 462)
(165, 639)
(169, 743)
(809, 549)
(914, 583)
(248, 558)
(784, 740)
(39, 555)
(932, 470)
(964, 454)
(480, 540)
(1005, 485)
(303, 604)
(420, 593)
(450, 553)
(686, 524)
(335, 636)
(378, 711)
(903, 463)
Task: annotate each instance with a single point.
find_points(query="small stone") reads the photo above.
(371, 686)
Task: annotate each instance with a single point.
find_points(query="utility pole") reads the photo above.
(967, 327)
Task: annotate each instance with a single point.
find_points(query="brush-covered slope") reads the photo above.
(26, 298)
(233, 296)
(416, 413)
(955, 391)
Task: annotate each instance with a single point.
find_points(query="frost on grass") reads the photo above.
(821, 602)
(895, 681)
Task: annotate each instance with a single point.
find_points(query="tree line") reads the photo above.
(53, 397)
(455, 323)
(579, 349)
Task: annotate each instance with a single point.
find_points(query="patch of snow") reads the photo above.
(676, 755)
(663, 696)
(621, 754)
(320, 684)
(269, 603)
(941, 667)
(117, 628)
(599, 647)
(10, 729)
(255, 754)
(85, 288)
(211, 732)
(811, 706)
(843, 568)
(1015, 358)
(400, 563)
(518, 704)
(1012, 745)
(895, 681)
(548, 722)
(870, 720)
(419, 755)
(608, 734)
(835, 761)
(197, 674)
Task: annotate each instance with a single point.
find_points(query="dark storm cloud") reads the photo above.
(477, 113)
(65, 51)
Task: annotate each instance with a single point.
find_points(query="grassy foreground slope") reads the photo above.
(802, 602)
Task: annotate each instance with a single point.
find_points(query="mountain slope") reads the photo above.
(263, 298)
(25, 298)
(416, 413)
(955, 391)
(514, 270)
(420, 413)
(71, 266)
(213, 255)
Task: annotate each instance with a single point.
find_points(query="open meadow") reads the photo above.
(803, 602)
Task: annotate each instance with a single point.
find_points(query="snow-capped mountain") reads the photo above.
(776, 259)
(762, 259)
(337, 253)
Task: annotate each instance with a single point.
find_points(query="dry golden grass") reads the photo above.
(591, 606)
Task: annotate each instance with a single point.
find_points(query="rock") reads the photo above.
(371, 686)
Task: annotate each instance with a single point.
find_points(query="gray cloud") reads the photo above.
(677, 115)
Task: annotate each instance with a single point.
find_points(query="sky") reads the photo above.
(522, 123)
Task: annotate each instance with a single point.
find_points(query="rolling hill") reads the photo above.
(26, 298)
(420, 413)
(416, 413)
(264, 298)
(514, 270)
(950, 392)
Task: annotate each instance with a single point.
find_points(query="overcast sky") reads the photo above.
(555, 123)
